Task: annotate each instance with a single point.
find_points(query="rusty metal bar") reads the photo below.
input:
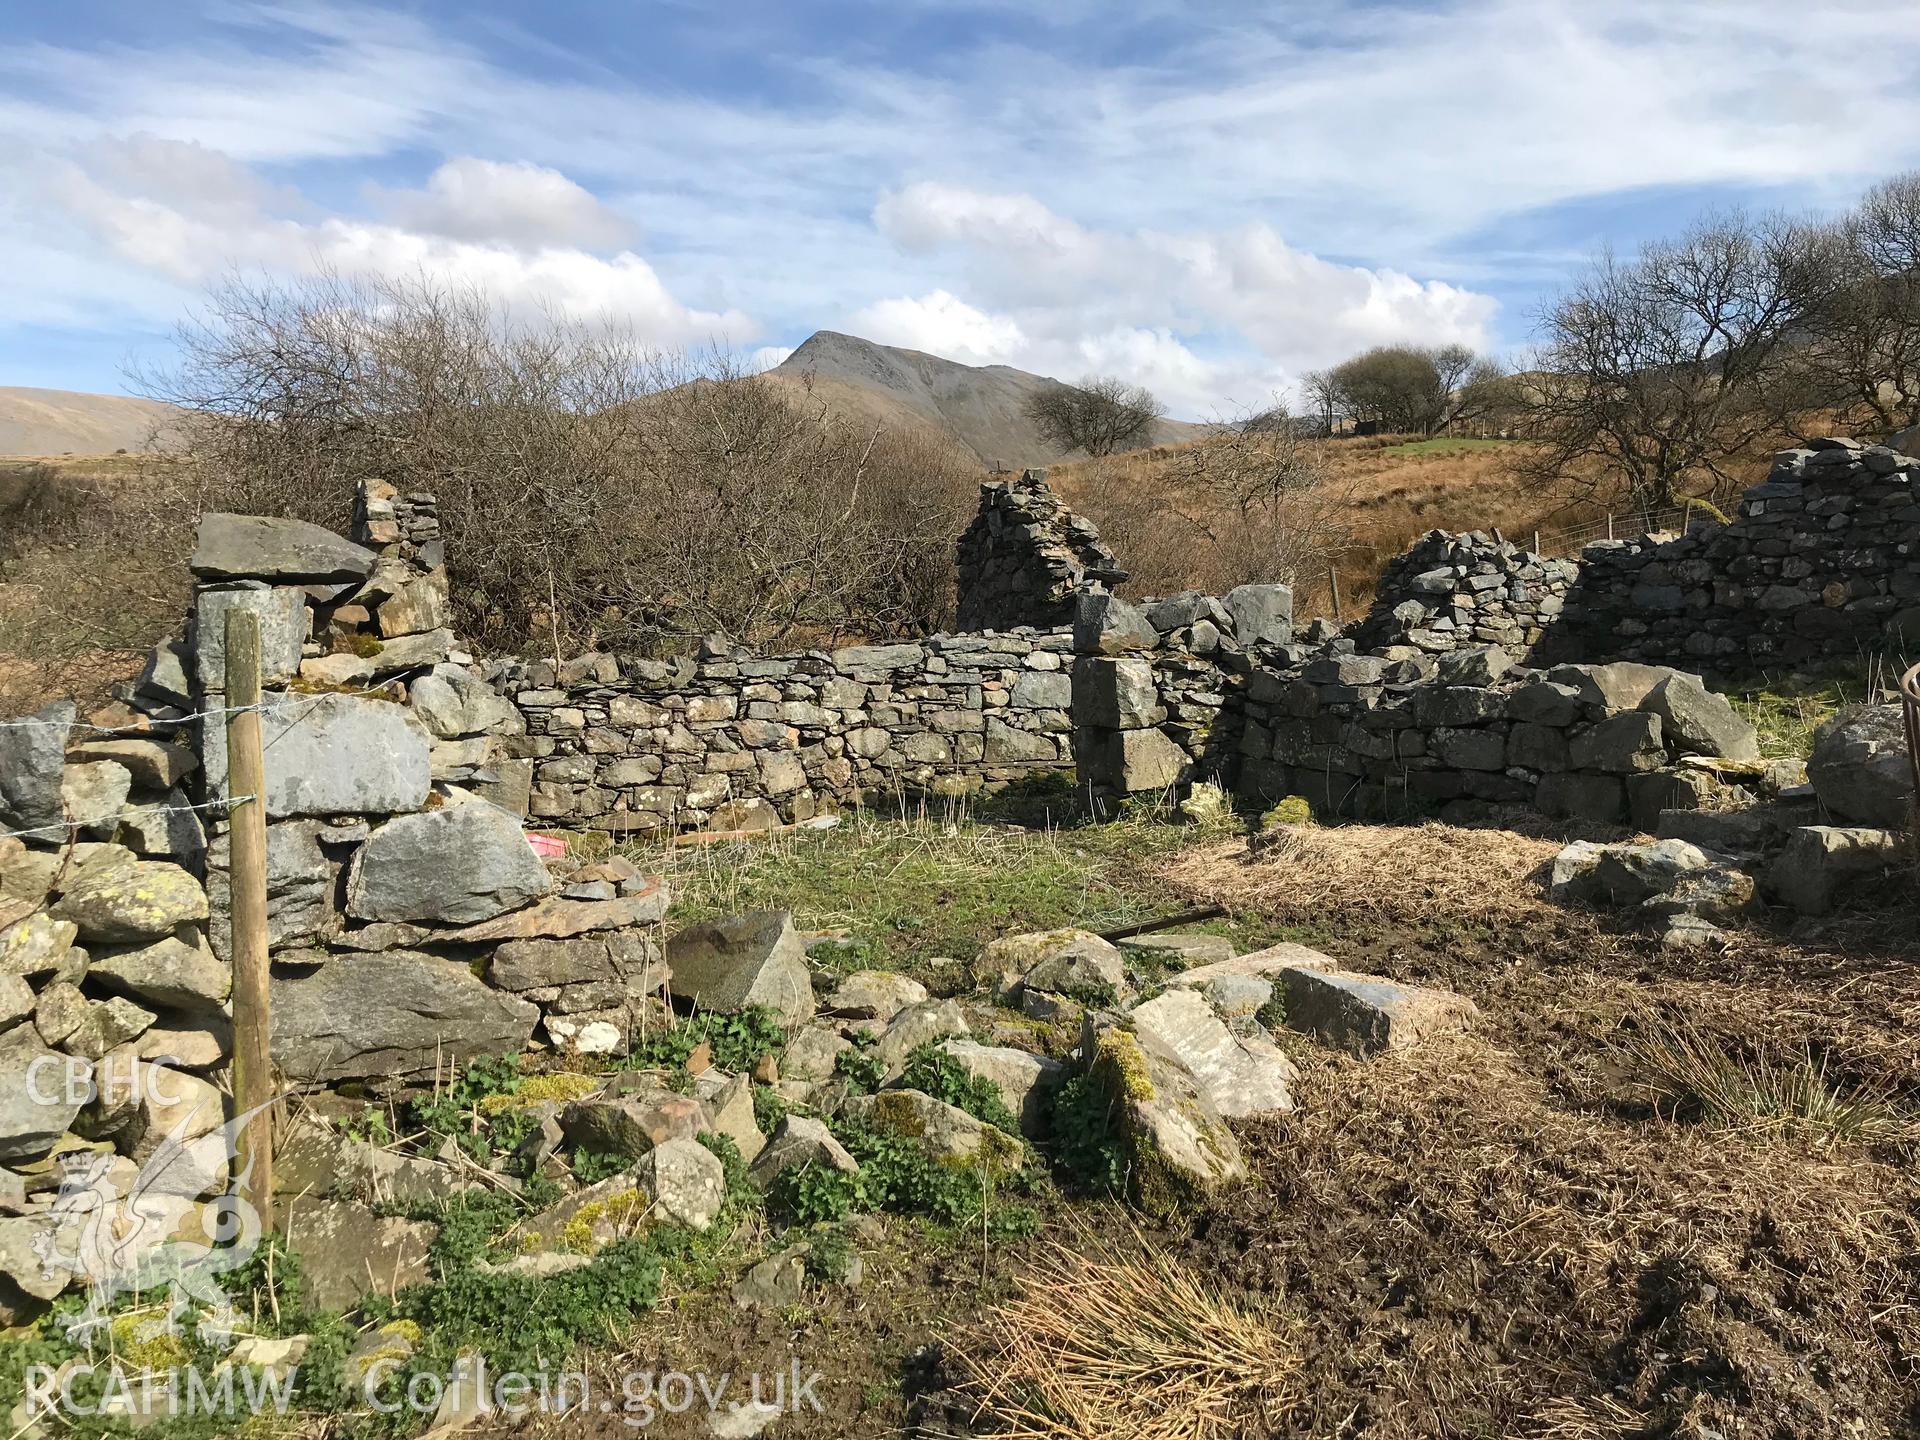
(1910, 698)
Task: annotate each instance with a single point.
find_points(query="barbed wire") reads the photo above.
(137, 812)
(285, 702)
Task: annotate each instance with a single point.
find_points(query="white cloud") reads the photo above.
(766, 357)
(519, 204)
(202, 217)
(1133, 302)
(941, 325)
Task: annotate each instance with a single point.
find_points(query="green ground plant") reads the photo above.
(1785, 712)
(933, 1071)
(1084, 1146)
(736, 1042)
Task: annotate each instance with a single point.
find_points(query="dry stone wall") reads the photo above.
(1822, 558)
(1025, 559)
(1455, 592)
(1400, 732)
(731, 740)
(1158, 687)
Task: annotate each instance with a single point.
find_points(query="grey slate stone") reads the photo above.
(33, 1116)
(1261, 614)
(282, 612)
(1104, 624)
(338, 755)
(1860, 768)
(452, 702)
(32, 762)
(1694, 719)
(752, 959)
(458, 865)
(272, 548)
(393, 1015)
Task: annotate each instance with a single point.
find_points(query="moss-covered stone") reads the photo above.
(1178, 1150)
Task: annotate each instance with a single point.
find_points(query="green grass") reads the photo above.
(910, 890)
(1785, 713)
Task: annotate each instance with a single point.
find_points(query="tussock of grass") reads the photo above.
(1116, 1338)
(1690, 1076)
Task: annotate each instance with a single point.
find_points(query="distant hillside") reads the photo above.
(980, 406)
(63, 422)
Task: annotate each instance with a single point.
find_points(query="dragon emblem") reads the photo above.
(121, 1234)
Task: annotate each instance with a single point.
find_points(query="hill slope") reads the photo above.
(980, 406)
(62, 422)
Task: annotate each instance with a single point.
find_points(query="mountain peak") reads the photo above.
(983, 407)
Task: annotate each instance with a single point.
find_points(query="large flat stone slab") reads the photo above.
(1368, 1014)
(459, 865)
(391, 1016)
(260, 547)
(333, 755)
(348, 1250)
(1259, 963)
(1242, 1077)
(549, 919)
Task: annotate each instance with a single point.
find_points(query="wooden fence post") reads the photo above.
(1609, 525)
(1333, 585)
(247, 839)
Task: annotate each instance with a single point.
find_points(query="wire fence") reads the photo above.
(1630, 525)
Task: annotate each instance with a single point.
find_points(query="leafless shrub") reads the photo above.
(92, 572)
(626, 497)
(1855, 365)
(1255, 502)
(1656, 371)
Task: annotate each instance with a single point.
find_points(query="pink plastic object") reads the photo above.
(547, 847)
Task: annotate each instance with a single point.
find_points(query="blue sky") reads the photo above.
(1208, 197)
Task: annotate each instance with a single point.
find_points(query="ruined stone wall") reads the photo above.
(1452, 592)
(1822, 559)
(1158, 688)
(730, 739)
(1398, 734)
(1025, 558)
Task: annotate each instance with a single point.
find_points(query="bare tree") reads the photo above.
(651, 496)
(1322, 399)
(1100, 415)
(1409, 388)
(1855, 365)
(1654, 371)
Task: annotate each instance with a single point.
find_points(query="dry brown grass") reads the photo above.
(1397, 489)
(1690, 1075)
(1477, 1251)
(1111, 1336)
(1393, 496)
(1534, 1231)
(1410, 874)
(92, 572)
